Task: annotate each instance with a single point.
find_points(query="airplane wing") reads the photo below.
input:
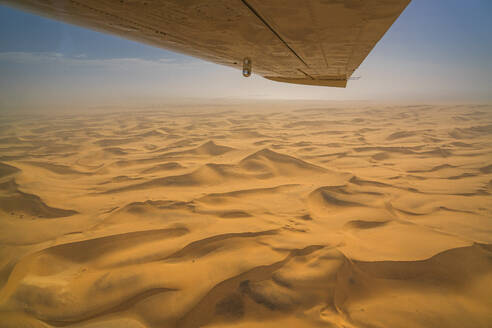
(315, 42)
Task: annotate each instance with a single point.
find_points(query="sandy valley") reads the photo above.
(368, 216)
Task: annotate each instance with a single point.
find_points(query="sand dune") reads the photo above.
(163, 167)
(7, 170)
(20, 204)
(116, 151)
(56, 168)
(262, 164)
(23, 205)
(208, 148)
(272, 162)
(312, 217)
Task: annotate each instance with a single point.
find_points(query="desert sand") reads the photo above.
(362, 216)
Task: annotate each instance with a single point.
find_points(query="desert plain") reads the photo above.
(322, 216)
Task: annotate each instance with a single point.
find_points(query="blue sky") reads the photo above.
(438, 50)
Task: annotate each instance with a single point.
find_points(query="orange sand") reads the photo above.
(318, 217)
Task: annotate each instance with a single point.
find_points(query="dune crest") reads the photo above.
(269, 161)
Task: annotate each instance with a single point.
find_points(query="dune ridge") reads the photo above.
(24, 205)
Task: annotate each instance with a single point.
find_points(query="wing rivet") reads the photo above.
(246, 67)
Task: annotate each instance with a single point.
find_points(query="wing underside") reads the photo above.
(314, 42)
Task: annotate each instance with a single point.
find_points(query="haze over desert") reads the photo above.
(307, 216)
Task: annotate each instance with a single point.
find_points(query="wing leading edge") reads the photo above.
(314, 42)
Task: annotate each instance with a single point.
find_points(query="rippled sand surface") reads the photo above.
(314, 217)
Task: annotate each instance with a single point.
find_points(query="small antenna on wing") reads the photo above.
(246, 67)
